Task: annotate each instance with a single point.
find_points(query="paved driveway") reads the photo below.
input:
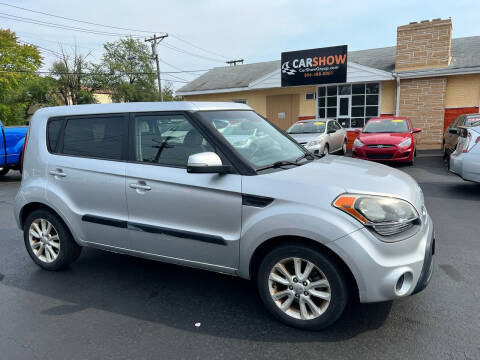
(109, 306)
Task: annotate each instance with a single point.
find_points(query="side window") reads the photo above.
(53, 132)
(337, 125)
(97, 137)
(331, 126)
(167, 140)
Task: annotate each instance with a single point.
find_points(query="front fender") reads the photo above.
(284, 218)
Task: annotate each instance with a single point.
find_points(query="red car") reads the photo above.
(386, 139)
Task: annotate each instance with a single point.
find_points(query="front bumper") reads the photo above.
(394, 153)
(386, 271)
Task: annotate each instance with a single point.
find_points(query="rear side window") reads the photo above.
(53, 133)
(97, 137)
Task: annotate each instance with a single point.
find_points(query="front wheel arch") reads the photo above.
(272, 243)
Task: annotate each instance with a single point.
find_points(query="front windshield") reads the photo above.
(472, 120)
(386, 126)
(255, 139)
(307, 127)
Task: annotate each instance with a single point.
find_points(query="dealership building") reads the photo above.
(428, 77)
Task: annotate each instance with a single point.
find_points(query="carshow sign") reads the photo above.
(315, 66)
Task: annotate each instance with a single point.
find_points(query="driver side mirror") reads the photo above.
(416, 130)
(331, 131)
(358, 131)
(453, 131)
(206, 163)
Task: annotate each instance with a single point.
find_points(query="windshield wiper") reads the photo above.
(286, 162)
(306, 155)
(277, 164)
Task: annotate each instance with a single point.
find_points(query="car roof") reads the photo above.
(138, 107)
(389, 118)
(313, 120)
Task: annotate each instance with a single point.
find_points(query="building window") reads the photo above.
(240, 101)
(351, 104)
(310, 96)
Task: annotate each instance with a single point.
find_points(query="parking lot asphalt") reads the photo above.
(109, 306)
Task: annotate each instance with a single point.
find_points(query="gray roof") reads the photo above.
(465, 54)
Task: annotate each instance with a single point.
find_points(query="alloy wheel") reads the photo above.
(44, 240)
(299, 288)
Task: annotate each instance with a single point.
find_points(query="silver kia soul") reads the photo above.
(216, 186)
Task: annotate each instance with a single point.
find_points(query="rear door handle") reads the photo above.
(143, 187)
(58, 173)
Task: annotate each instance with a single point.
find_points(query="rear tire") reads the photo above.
(45, 232)
(297, 293)
(4, 171)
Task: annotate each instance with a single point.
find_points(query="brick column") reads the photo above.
(423, 101)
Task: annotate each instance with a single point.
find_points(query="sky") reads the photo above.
(206, 33)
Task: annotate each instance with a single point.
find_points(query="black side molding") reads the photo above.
(104, 221)
(212, 239)
(256, 201)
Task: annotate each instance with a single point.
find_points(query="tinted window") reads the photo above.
(168, 139)
(331, 126)
(53, 131)
(98, 137)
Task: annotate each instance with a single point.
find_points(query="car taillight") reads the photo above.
(470, 143)
(23, 151)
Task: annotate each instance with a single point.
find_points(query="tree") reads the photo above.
(72, 78)
(128, 70)
(18, 65)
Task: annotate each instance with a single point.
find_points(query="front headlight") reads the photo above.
(406, 143)
(357, 143)
(314, 143)
(386, 215)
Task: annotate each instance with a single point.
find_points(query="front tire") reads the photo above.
(326, 150)
(48, 240)
(344, 147)
(4, 171)
(302, 287)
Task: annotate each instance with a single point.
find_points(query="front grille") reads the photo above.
(380, 156)
(380, 146)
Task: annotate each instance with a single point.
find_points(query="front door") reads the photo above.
(344, 109)
(181, 217)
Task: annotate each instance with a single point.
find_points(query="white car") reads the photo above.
(320, 136)
(465, 160)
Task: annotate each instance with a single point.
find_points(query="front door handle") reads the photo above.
(143, 187)
(58, 173)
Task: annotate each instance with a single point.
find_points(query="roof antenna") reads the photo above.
(234, 62)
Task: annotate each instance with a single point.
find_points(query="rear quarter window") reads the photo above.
(54, 126)
(95, 137)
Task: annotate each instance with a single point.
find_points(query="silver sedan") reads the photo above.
(320, 136)
(465, 161)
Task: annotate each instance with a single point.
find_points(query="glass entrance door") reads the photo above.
(344, 110)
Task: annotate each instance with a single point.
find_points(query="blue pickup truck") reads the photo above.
(11, 146)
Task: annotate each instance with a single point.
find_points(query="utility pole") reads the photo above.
(155, 40)
(234, 62)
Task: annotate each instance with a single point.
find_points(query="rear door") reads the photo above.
(86, 173)
(185, 218)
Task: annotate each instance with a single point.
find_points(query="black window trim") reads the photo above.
(65, 118)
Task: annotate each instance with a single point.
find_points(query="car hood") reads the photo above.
(321, 181)
(305, 138)
(383, 138)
